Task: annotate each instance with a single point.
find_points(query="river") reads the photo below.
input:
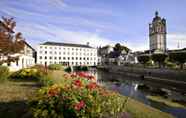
(129, 87)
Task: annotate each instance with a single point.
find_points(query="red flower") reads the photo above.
(92, 85)
(79, 105)
(91, 77)
(78, 83)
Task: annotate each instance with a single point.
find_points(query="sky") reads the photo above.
(99, 22)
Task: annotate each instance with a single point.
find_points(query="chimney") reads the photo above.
(88, 43)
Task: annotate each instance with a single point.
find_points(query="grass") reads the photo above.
(14, 96)
(166, 101)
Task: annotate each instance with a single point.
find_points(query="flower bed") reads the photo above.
(78, 96)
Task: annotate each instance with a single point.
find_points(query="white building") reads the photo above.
(66, 54)
(25, 59)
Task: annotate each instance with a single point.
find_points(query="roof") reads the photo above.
(29, 45)
(66, 44)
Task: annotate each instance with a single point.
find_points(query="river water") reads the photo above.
(129, 87)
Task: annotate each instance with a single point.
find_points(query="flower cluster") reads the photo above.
(77, 96)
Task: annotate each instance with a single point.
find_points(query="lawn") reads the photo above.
(14, 96)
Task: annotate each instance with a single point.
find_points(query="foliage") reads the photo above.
(55, 67)
(159, 58)
(27, 73)
(178, 57)
(143, 59)
(4, 73)
(119, 48)
(78, 96)
(68, 69)
(81, 68)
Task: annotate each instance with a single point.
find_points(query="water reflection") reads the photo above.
(129, 87)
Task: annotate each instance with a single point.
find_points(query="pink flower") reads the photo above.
(92, 85)
(79, 105)
(78, 83)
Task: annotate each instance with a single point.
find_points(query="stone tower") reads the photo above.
(157, 34)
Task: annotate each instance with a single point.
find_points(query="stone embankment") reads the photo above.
(176, 78)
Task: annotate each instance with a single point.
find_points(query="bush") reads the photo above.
(28, 73)
(68, 69)
(81, 68)
(78, 96)
(4, 73)
(55, 67)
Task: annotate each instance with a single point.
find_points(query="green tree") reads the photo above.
(143, 59)
(159, 58)
(119, 48)
(178, 57)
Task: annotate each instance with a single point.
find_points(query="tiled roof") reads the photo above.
(66, 44)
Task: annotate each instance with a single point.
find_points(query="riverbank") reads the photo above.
(174, 78)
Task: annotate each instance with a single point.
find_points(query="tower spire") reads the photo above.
(156, 13)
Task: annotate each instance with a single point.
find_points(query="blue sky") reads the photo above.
(99, 22)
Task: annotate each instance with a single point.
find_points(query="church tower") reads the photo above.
(157, 34)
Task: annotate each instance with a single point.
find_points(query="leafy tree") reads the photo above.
(119, 48)
(178, 57)
(9, 43)
(159, 58)
(143, 59)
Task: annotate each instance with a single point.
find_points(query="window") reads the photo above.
(68, 58)
(50, 57)
(55, 47)
(45, 57)
(76, 58)
(84, 58)
(50, 52)
(72, 53)
(72, 58)
(60, 53)
(59, 58)
(55, 57)
(45, 47)
(40, 57)
(41, 47)
(87, 58)
(76, 63)
(50, 47)
(55, 52)
(40, 52)
(64, 53)
(80, 58)
(64, 58)
(45, 52)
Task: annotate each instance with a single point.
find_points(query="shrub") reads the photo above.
(55, 67)
(78, 96)
(84, 68)
(68, 69)
(4, 73)
(28, 73)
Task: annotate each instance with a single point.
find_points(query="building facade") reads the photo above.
(157, 34)
(66, 54)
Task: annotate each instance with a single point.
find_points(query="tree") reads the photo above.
(9, 43)
(119, 48)
(159, 58)
(178, 57)
(143, 59)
